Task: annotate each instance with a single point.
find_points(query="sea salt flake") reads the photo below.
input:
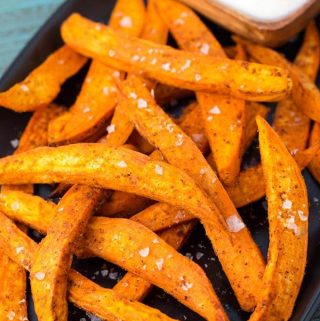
(98, 26)
(302, 217)
(186, 286)
(186, 65)
(159, 169)
(106, 91)
(61, 62)
(133, 95)
(199, 255)
(111, 128)
(104, 273)
(294, 151)
(215, 110)
(92, 317)
(153, 61)
(135, 57)
(287, 204)
(203, 171)
(11, 315)
(40, 276)
(235, 224)
(113, 275)
(126, 22)
(111, 53)
(14, 142)
(159, 263)
(60, 209)
(15, 206)
(209, 118)
(155, 241)
(170, 128)
(179, 21)
(19, 249)
(291, 225)
(144, 252)
(86, 109)
(122, 164)
(197, 77)
(204, 49)
(25, 88)
(142, 103)
(116, 74)
(152, 92)
(179, 141)
(166, 66)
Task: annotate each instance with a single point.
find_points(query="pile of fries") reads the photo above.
(134, 182)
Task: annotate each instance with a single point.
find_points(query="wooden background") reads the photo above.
(20, 19)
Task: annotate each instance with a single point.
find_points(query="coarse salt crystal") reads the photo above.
(111, 53)
(60, 209)
(92, 317)
(159, 263)
(113, 275)
(40, 276)
(159, 169)
(155, 241)
(179, 142)
(86, 109)
(209, 118)
(215, 110)
(197, 77)
(126, 22)
(203, 171)
(104, 272)
(169, 128)
(142, 103)
(24, 88)
(135, 57)
(166, 66)
(287, 204)
(235, 224)
(111, 128)
(98, 26)
(61, 61)
(133, 95)
(11, 315)
(144, 252)
(19, 249)
(186, 65)
(204, 49)
(15, 206)
(122, 164)
(14, 142)
(294, 151)
(291, 225)
(199, 255)
(179, 21)
(152, 92)
(106, 91)
(302, 217)
(153, 61)
(116, 74)
(186, 286)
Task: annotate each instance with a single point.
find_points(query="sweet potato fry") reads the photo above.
(288, 228)
(291, 124)
(156, 126)
(43, 84)
(243, 194)
(87, 295)
(305, 94)
(314, 165)
(35, 135)
(88, 116)
(241, 79)
(123, 204)
(52, 261)
(223, 116)
(166, 94)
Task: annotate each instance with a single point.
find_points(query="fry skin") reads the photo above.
(314, 165)
(43, 84)
(82, 292)
(243, 194)
(225, 76)
(305, 94)
(179, 150)
(290, 122)
(288, 228)
(54, 255)
(98, 97)
(223, 116)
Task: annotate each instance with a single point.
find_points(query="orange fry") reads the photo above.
(288, 228)
(204, 73)
(43, 84)
(223, 116)
(156, 126)
(98, 97)
(314, 166)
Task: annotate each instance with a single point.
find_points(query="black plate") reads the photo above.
(198, 247)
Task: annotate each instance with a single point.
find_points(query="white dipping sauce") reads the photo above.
(264, 10)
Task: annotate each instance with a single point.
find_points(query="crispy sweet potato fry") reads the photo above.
(305, 94)
(43, 84)
(291, 124)
(223, 116)
(167, 94)
(98, 96)
(156, 126)
(52, 261)
(288, 228)
(243, 194)
(87, 295)
(241, 79)
(314, 166)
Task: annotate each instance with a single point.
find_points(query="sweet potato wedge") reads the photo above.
(52, 261)
(288, 228)
(241, 79)
(42, 85)
(291, 124)
(305, 94)
(223, 116)
(98, 97)
(158, 128)
(85, 294)
(243, 194)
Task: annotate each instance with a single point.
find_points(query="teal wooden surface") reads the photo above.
(20, 19)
